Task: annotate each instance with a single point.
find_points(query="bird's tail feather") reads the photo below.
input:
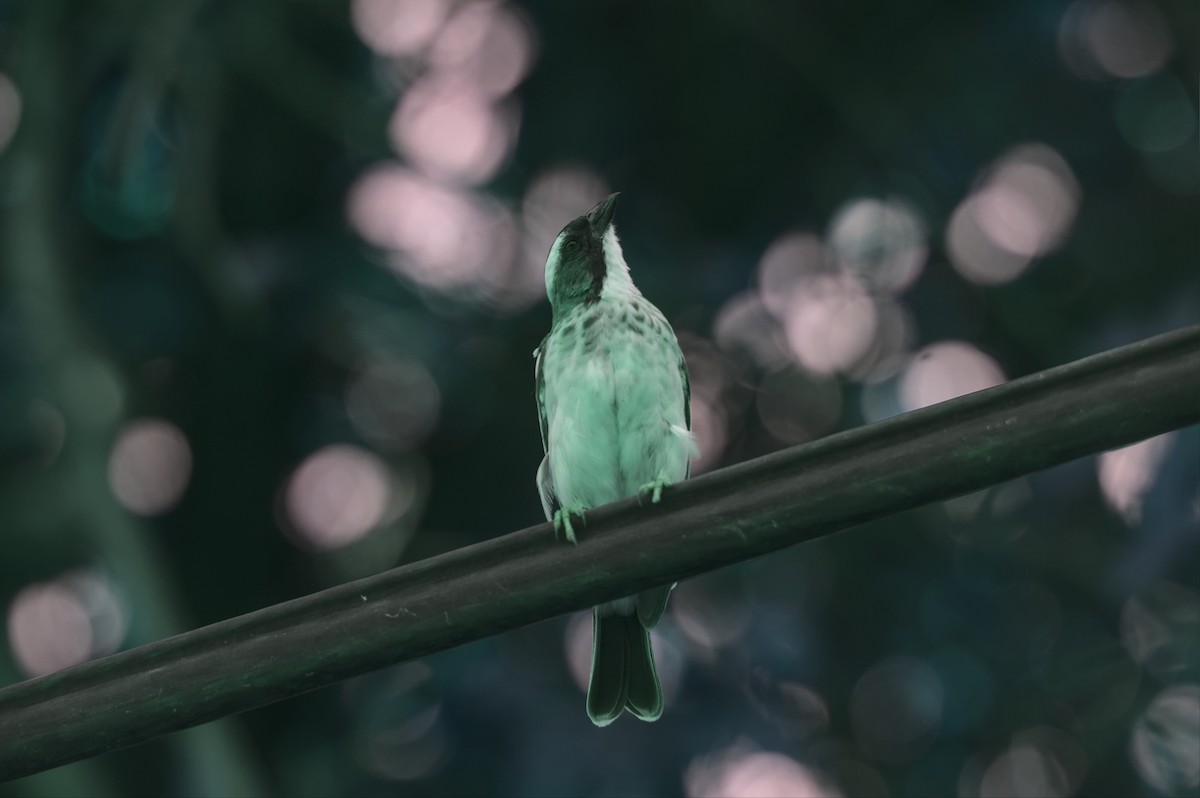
(623, 672)
(651, 604)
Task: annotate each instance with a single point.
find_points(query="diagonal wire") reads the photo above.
(1098, 403)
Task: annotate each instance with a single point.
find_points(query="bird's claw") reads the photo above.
(654, 489)
(562, 522)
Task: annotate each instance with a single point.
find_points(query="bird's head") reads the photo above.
(585, 259)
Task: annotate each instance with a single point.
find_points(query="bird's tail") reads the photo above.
(623, 672)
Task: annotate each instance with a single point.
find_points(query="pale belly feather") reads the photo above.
(614, 405)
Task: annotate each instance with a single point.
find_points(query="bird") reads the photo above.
(614, 406)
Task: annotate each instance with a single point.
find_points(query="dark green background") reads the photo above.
(175, 245)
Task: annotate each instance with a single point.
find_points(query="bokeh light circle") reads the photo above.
(896, 709)
(337, 495)
(1165, 744)
(1106, 39)
(1023, 210)
(881, 243)
(65, 621)
(393, 28)
(150, 466)
(944, 371)
(742, 772)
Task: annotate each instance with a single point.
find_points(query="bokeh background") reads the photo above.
(272, 277)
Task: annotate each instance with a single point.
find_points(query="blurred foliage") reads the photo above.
(271, 280)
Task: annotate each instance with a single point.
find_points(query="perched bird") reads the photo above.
(613, 401)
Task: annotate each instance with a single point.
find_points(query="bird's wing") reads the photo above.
(545, 486)
(687, 392)
(539, 378)
(545, 483)
(687, 402)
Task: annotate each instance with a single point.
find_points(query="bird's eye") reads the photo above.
(571, 247)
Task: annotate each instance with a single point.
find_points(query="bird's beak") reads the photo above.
(600, 217)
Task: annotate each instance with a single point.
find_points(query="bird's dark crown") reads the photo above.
(579, 271)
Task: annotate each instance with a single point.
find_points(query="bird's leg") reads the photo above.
(562, 521)
(653, 489)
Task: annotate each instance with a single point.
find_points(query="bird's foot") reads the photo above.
(653, 489)
(562, 521)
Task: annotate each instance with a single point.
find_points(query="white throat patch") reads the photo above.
(617, 281)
